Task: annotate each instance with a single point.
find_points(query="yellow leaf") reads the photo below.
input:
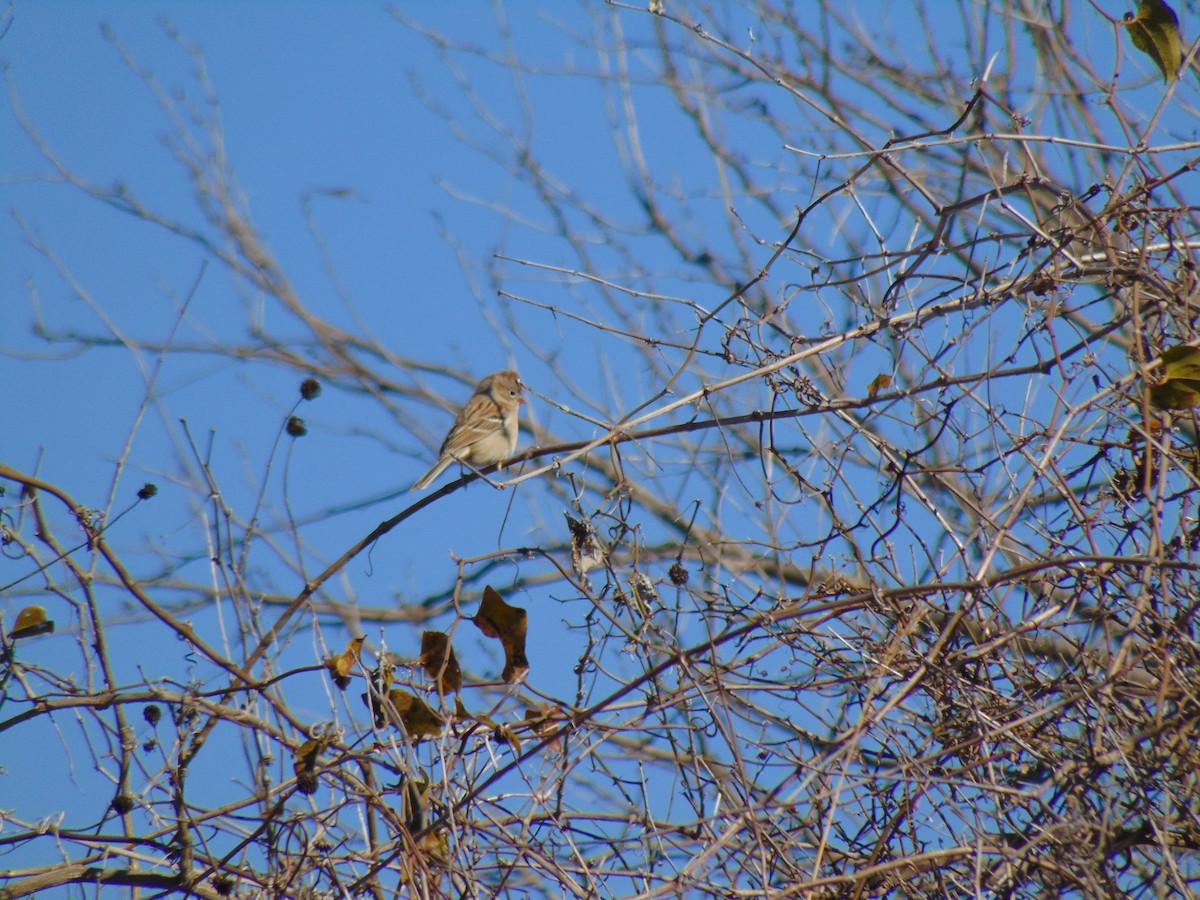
(497, 619)
(1155, 31)
(437, 656)
(31, 621)
(342, 665)
(879, 383)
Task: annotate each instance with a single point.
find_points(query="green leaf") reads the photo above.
(1155, 31)
(1180, 386)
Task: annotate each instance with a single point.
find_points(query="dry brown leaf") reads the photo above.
(545, 720)
(409, 710)
(497, 619)
(586, 552)
(437, 656)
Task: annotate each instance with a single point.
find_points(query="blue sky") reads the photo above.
(316, 101)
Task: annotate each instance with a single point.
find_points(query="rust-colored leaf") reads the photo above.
(341, 665)
(437, 656)
(497, 619)
(31, 621)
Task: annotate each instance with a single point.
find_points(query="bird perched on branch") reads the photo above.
(485, 431)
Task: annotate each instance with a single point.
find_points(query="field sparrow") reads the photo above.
(485, 431)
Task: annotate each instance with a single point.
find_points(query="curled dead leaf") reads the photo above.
(586, 552)
(545, 720)
(437, 656)
(419, 720)
(645, 595)
(497, 619)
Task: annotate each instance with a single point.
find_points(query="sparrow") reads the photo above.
(485, 431)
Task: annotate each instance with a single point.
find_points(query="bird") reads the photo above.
(485, 431)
